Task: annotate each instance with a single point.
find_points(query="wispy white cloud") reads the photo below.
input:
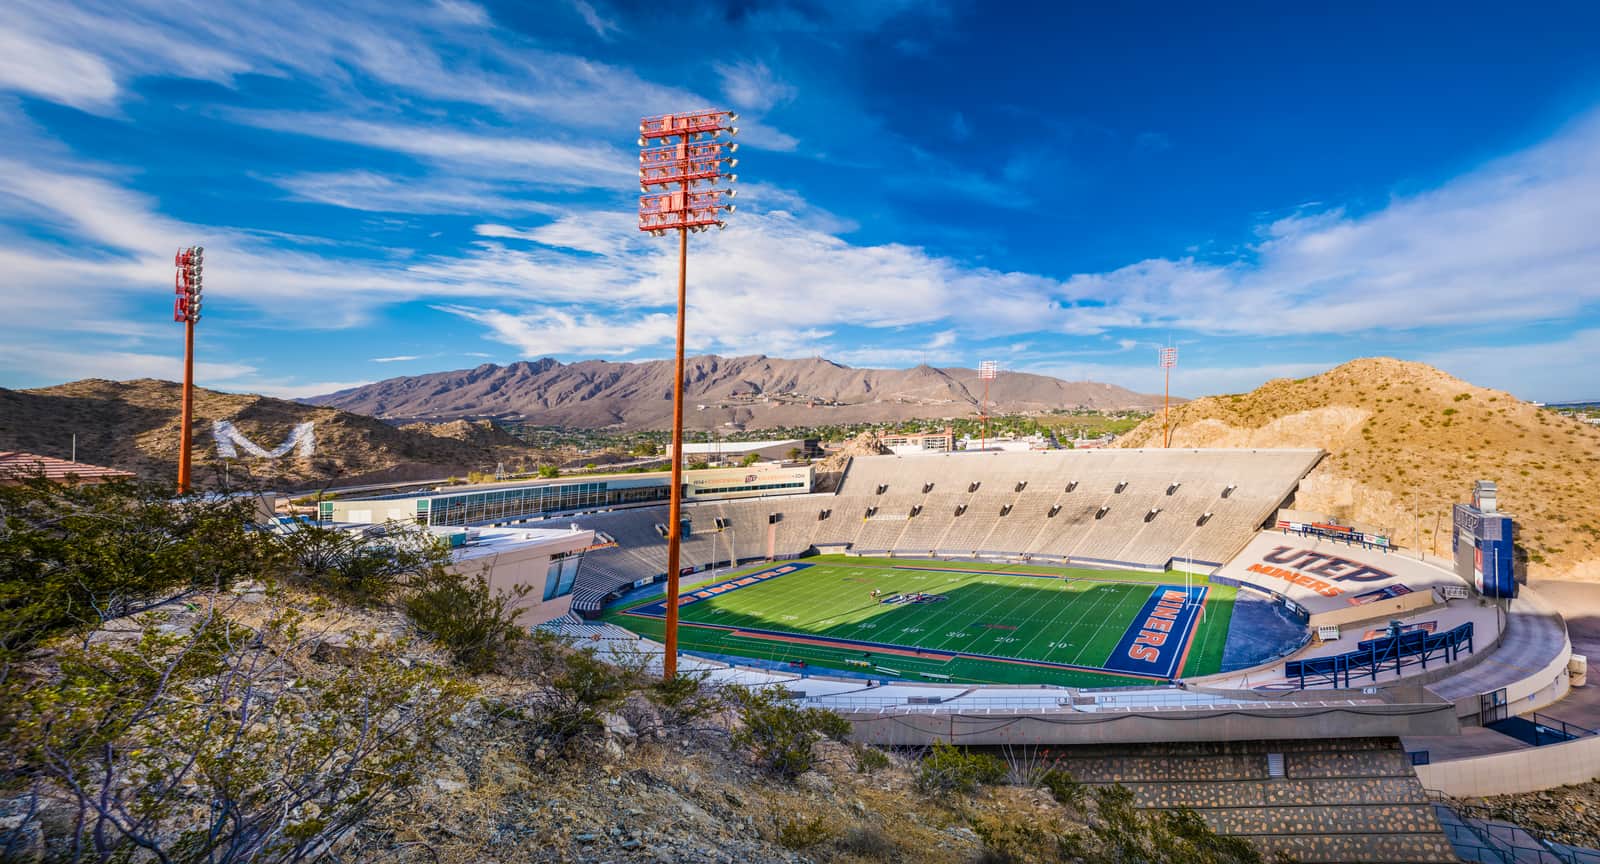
(398, 358)
(555, 331)
(1507, 242)
(1553, 370)
(752, 85)
(892, 357)
(26, 361)
(1188, 381)
(531, 160)
(379, 193)
(40, 67)
(602, 26)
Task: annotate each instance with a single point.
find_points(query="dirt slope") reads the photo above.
(133, 425)
(1405, 441)
(759, 391)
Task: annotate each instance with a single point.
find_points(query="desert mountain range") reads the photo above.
(758, 391)
(1405, 441)
(133, 425)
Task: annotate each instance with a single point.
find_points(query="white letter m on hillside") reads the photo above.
(301, 440)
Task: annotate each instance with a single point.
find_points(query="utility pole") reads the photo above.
(1416, 517)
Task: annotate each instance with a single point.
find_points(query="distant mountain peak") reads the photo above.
(753, 390)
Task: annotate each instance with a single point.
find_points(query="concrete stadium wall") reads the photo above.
(1380, 610)
(994, 727)
(1529, 770)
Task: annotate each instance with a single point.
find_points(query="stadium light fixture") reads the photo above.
(679, 155)
(1169, 359)
(987, 370)
(188, 284)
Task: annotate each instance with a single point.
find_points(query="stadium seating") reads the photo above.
(1183, 486)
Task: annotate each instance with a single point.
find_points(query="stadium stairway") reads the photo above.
(1486, 841)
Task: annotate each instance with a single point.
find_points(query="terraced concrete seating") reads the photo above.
(1061, 534)
(1015, 531)
(578, 630)
(972, 527)
(1076, 484)
(928, 527)
(879, 533)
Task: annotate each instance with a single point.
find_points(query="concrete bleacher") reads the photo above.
(925, 531)
(983, 483)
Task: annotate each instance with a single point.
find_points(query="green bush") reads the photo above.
(868, 759)
(866, 841)
(75, 556)
(578, 688)
(781, 735)
(682, 699)
(210, 744)
(1067, 791)
(948, 768)
(1011, 841)
(362, 566)
(802, 833)
(1126, 834)
(471, 620)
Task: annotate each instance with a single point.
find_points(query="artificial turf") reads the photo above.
(823, 613)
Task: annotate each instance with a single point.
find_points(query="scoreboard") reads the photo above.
(1483, 541)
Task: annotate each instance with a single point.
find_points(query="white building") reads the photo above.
(545, 560)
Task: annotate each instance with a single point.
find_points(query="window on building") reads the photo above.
(562, 573)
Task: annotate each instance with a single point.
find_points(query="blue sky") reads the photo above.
(392, 189)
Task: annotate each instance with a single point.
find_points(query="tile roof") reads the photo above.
(16, 465)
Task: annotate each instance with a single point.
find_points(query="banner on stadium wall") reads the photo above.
(1327, 526)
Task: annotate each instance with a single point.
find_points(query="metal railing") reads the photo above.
(1567, 731)
(1495, 843)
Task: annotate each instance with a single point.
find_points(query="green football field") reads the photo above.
(964, 622)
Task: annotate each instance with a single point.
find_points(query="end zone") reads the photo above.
(1157, 641)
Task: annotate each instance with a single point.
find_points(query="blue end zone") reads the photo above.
(658, 609)
(1158, 638)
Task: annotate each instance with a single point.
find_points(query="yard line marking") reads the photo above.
(1049, 631)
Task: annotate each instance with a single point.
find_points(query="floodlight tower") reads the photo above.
(1169, 359)
(987, 370)
(190, 264)
(679, 152)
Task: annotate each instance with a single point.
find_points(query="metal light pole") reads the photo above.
(987, 370)
(677, 153)
(186, 309)
(1169, 359)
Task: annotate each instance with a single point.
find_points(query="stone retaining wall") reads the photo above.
(1348, 800)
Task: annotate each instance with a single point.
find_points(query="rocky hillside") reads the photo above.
(759, 391)
(1405, 441)
(133, 425)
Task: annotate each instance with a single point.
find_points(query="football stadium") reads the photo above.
(947, 621)
(1162, 618)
